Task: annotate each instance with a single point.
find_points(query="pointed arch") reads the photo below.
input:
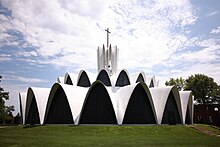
(31, 112)
(22, 100)
(97, 107)
(139, 109)
(68, 80)
(83, 80)
(104, 78)
(140, 78)
(171, 114)
(58, 109)
(123, 79)
(151, 83)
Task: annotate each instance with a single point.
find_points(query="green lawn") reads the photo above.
(105, 136)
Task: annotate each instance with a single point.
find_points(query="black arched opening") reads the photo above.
(33, 114)
(69, 81)
(139, 109)
(123, 79)
(59, 110)
(98, 108)
(188, 120)
(171, 115)
(151, 83)
(84, 80)
(140, 78)
(104, 78)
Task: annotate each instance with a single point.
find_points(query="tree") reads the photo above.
(5, 111)
(178, 82)
(204, 88)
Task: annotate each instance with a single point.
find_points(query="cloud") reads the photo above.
(212, 13)
(216, 31)
(69, 31)
(28, 80)
(5, 57)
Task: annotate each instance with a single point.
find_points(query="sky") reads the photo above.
(41, 40)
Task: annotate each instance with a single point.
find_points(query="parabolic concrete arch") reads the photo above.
(123, 79)
(140, 109)
(150, 81)
(36, 105)
(22, 100)
(103, 76)
(186, 102)
(64, 104)
(167, 104)
(140, 78)
(59, 110)
(69, 79)
(137, 77)
(97, 108)
(171, 114)
(83, 79)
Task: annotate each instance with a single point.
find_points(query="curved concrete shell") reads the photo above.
(140, 109)
(167, 104)
(187, 106)
(64, 104)
(131, 110)
(150, 81)
(104, 77)
(111, 97)
(36, 105)
(137, 77)
(85, 78)
(70, 78)
(123, 79)
(97, 107)
(22, 100)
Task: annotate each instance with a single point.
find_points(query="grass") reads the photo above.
(105, 136)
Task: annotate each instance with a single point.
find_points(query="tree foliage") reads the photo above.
(5, 111)
(204, 88)
(178, 82)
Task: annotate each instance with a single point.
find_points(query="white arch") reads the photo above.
(23, 98)
(111, 95)
(186, 102)
(75, 96)
(135, 76)
(107, 74)
(41, 97)
(123, 96)
(90, 75)
(160, 97)
(115, 77)
(72, 77)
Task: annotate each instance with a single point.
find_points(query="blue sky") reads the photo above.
(41, 40)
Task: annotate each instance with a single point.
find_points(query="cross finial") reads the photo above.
(107, 30)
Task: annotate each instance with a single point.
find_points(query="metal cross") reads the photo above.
(107, 30)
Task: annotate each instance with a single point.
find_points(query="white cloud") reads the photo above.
(216, 31)
(5, 57)
(212, 13)
(141, 30)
